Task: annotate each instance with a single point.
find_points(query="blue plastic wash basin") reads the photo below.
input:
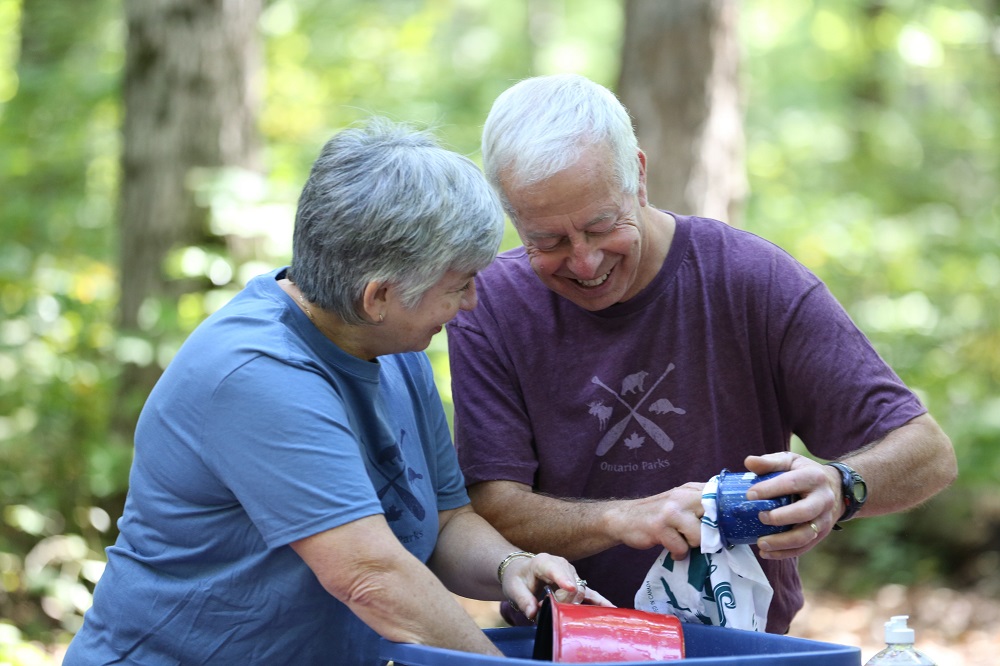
(704, 646)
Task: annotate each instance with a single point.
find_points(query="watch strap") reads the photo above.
(849, 477)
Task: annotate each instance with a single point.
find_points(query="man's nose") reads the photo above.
(584, 259)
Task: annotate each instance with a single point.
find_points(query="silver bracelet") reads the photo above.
(510, 558)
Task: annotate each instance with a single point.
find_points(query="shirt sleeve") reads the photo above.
(289, 455)
(492, 430)
(438, 448)
(839, 392)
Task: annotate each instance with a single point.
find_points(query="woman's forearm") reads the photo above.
(364, 566)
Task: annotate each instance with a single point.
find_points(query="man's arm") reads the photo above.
(579, 528)
(906, 468)
(902, 470)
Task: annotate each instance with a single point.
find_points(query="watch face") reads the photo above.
(860, 490)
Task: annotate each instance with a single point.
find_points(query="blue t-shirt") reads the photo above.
(262, 432)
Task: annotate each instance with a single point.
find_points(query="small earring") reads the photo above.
(381, 317)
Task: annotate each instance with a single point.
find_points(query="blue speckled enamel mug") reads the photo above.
(738, 521)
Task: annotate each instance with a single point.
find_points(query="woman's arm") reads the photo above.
(469, 551)
(364, 565)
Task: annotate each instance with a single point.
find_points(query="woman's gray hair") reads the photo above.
(541, 125)
(385, 203)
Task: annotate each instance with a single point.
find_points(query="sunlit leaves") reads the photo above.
(873, 158)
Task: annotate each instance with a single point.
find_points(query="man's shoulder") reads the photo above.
(732, 249)
(724, 236)
(511, 263)
(508, 279)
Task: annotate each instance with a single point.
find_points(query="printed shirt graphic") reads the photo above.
(630, 385)
(394, 474)
(261, 432)
(732, 348)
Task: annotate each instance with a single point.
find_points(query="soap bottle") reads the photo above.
(899, 646)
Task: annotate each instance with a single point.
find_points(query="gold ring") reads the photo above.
(815, 529)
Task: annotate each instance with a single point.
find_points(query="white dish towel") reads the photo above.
(713, 585)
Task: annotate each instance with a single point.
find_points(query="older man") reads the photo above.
(625, 355)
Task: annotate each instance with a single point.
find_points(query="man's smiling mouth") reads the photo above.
(595, 282)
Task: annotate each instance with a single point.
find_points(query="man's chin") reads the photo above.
(592, 301)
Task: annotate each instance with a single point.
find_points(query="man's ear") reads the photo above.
(643, 199)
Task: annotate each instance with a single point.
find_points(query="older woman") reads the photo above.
(294, 492)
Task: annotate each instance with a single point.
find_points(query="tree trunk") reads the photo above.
(190, 102)
(680, 80)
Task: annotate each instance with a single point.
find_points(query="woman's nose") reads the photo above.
(469, 298)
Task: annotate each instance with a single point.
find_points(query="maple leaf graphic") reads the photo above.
(634, 441)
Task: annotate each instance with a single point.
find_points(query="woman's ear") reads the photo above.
(375, 301)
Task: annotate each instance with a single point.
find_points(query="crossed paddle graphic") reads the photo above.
(616, 431)
(408, 498)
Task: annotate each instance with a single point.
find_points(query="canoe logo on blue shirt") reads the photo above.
(389, 464)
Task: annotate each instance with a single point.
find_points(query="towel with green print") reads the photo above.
(714, 585)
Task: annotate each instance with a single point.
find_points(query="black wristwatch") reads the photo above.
(852, 487)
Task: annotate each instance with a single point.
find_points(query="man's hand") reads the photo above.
(814, 514)
(671, 519)
(903, 469)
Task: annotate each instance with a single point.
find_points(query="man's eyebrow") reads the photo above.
(603, 217)
(545, 234)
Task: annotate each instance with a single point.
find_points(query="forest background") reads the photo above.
(872, 154)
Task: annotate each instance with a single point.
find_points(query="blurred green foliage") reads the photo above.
(872, 155)
(873, 135)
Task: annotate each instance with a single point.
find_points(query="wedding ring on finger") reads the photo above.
(580, 583)
(814, 528)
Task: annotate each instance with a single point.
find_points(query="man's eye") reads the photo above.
(546, 245)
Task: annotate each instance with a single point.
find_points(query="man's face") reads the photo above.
(584, 236)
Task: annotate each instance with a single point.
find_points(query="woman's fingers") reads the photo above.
(529, 581)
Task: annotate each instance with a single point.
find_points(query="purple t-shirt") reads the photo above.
(732, 348)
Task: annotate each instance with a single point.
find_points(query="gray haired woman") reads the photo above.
(294, 493)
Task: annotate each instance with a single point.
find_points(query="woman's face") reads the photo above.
(413, 328)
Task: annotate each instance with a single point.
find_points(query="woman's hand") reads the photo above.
(524, 580)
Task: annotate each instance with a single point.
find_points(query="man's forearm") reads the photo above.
(907, 467)
(573, 529)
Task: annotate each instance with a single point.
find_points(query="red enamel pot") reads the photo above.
(577, 633)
